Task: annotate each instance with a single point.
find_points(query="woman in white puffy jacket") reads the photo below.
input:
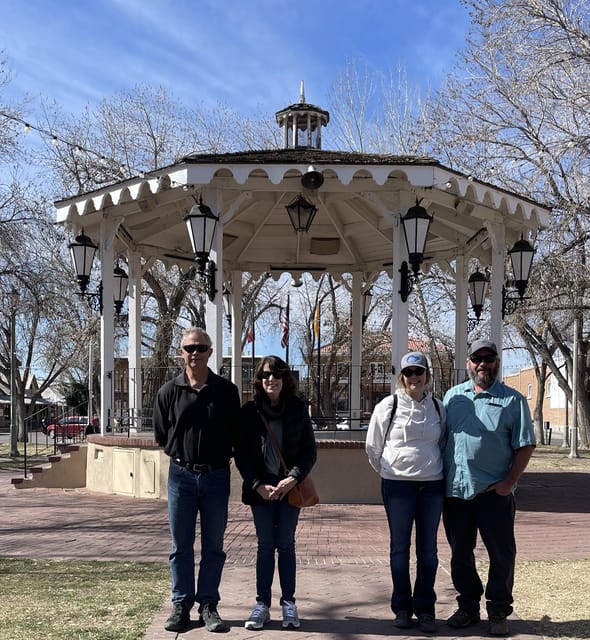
(404, 442)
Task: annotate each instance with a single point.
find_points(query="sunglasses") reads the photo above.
(480, 359)
(199, 348)
(265, 375)
(412, 372)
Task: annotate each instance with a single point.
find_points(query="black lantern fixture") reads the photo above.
(301, 213)
(477, 288)
(201, 224)
(120, 285)
(521, 258)
(367, 297)
(226, 294)
(415, 223)
(83, 250)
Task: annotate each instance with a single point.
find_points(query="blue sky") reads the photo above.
(248, 54)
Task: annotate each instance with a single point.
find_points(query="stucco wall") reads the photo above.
(137, 467)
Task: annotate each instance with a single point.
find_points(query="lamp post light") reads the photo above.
(83, 250)
(226, 294)
(415, 224)
(521, 257)
(201, 224)
(367, 298)
(13, 422)
(477, 287)
(301, 213)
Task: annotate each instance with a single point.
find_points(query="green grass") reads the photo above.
(90, 600)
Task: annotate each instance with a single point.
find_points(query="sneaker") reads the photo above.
(426, 622)
(179, 619)
(212, 620)
(498, 625)
(290, 617)
(259, 617)
(461, 619)
(403, 620)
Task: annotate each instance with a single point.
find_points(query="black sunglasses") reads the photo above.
(412, 372)
(480, 359)
(265, 375)
(200, 348)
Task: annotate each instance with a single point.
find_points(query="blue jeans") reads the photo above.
(407, 502)
(207, 495)
(493, 516)
(275, 524)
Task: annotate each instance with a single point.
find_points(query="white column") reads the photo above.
(356, 346)
(107, 355)
(214, 309)
(399, 309)
(134, 338)
(460, 314)
(236, 327)
(498, 239)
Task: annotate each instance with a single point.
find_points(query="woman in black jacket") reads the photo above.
(265, 487)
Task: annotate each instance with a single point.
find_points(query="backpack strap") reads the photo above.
(392, 415)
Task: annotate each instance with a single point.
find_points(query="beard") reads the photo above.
(485, 377)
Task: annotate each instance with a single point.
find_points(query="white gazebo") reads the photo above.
(358, 201)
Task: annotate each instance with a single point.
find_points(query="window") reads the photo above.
(529, 391)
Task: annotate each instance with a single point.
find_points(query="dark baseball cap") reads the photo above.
(482, 344)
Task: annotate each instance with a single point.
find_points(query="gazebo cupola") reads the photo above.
(302, 124)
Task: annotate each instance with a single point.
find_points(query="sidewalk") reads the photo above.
(343, 575)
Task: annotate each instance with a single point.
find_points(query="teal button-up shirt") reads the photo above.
(483, 432)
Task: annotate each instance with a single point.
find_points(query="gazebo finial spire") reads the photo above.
(302, 123)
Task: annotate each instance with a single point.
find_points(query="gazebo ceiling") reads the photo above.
(353, 229)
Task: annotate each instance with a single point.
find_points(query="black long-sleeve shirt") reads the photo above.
(198, 427)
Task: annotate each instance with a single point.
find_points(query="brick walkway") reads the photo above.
(343, 578)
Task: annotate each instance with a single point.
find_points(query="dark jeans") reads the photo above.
(275, 524)
(206, 495)
(493, 516)
(407, 502)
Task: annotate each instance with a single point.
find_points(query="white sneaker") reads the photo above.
(259, 617)
(290, 617)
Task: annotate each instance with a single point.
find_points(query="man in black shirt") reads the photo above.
(196, 420)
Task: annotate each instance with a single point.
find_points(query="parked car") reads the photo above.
(72, 427)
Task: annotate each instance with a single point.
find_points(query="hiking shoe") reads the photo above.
(259, 617)
(403, 620)
(426, 622)
(212, 620)
(461, 619)
(179, 619)
(498, 625)
(290, 617)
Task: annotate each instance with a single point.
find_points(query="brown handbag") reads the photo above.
(304, 493)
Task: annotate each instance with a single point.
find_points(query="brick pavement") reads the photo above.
(343, 576)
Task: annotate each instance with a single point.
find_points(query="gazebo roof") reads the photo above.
(358, 205)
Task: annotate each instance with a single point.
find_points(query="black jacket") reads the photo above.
(198, 427)
(299, 448)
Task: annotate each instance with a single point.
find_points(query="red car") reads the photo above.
(72, 427)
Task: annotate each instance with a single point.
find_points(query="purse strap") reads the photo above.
(274, 442)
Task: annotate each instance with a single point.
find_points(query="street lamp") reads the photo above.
(415, 224)
(521, 257)
(83, 250)
(201, 224)
(14, 297)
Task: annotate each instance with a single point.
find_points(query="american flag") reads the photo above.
(285, 327)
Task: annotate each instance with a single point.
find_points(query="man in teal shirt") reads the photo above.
(490, 440)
